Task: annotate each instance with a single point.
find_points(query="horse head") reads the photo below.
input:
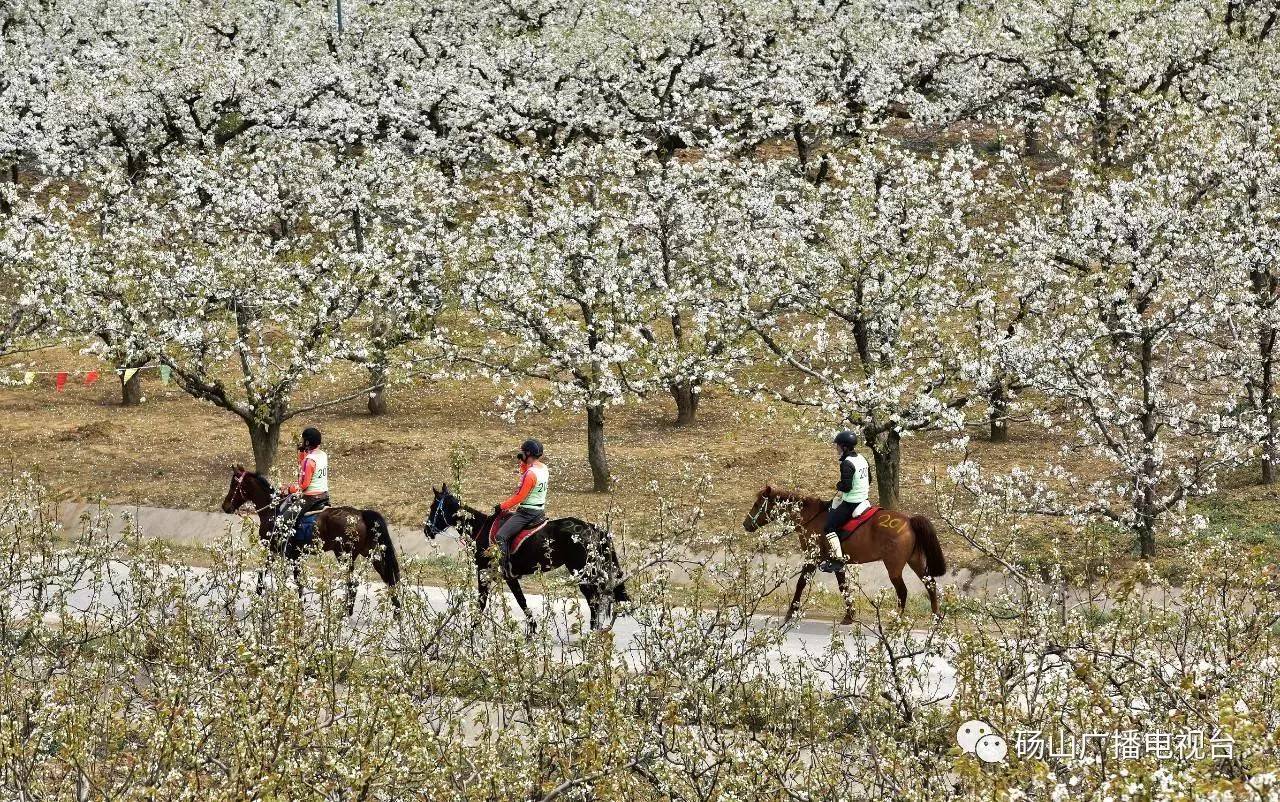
(443, 514)
(760, 513)
(245, 487)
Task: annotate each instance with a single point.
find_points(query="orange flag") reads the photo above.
(90, 378)
(60, 380)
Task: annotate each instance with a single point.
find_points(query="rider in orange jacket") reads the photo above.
(528, 503)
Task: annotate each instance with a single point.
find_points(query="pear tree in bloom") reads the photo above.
(1130, 344)
(697, 219)
(1004, 299)
(819, 77)
(402, 212)
(33, 43)
(149, 81)
(669, 90)
(32, 296)
(548, 276)
(240, 270)
(863, 309)
(1080, 80)
(1248, 149)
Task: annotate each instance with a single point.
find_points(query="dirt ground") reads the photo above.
(173, 451)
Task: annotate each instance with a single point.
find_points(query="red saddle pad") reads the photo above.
(858, 520)
(520, 538)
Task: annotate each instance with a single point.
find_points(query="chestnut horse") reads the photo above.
(347, 532)
(892, 537)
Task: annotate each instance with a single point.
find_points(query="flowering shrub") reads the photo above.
(128, 675)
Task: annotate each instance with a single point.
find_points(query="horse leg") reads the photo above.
(293, 557)
(530, 626)
(592, 594)
(351, 585)
(917, 564)
(805, 573)
(901, 588)
(842, 580)
(392, 582)
(482, 585)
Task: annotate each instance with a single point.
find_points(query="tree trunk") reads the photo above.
(684, 392)
(999, 416)
(5, 208)
(265, 438)
(1144, 498)
(1146, 524)
(1032, 141)
(595, 449)
(886, 448)
(1267, 401)
(378, 395)
(131, 390)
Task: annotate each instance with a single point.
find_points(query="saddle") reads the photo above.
(858, 520)
(521, 536)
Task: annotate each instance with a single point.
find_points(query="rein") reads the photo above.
(259, 512)
(464, 527)
(804, 522)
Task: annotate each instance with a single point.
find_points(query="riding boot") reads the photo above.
(833, 560)
(504, 559)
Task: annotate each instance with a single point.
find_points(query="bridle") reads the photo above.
(758, 510)
(238, 491)
(437, 511)
(763, 506)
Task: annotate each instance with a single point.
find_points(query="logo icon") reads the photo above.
(979, 738)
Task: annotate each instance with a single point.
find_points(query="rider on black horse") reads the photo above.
(853, 490)
(311, 490)
(529, 501)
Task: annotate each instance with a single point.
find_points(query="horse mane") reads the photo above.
(790, 495)
(264, 480)
(474, 513)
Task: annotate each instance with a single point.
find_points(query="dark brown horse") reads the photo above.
(347, 532)
(892, 537)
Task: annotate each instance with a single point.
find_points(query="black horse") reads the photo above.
(585, 550)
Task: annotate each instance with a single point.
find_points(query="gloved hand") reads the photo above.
(497, 510)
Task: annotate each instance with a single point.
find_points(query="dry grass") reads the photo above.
(174, 452)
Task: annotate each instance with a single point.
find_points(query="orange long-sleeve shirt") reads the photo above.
(306, 469)
(527, 482)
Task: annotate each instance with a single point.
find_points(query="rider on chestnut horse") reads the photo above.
(311, 491)
(853, 490)
(528, 502)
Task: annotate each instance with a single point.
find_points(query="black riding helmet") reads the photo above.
(310, 438)
(846, 440)
(531, 448)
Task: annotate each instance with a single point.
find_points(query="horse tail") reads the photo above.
(614, 566)
(619, 587)
(927, 541)
(377, 526)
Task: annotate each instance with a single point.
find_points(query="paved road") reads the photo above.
(197, 528)
(111, 589)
